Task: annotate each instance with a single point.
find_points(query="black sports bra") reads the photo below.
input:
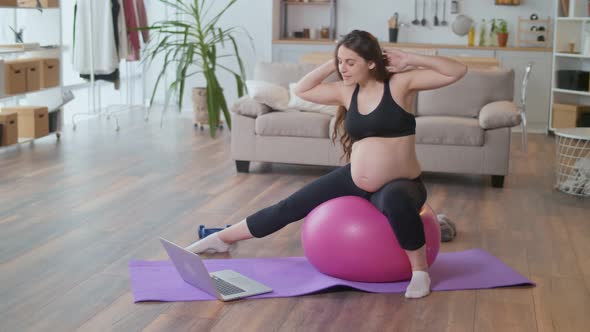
(387, 120)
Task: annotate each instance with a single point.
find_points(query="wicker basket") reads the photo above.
(572, 161)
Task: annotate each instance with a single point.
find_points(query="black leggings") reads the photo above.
(399, 200)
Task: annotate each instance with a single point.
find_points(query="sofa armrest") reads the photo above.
(499, 114)
(249, 107)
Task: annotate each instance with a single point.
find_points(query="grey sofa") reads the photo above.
(461, 128)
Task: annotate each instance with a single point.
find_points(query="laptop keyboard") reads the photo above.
(225, 287)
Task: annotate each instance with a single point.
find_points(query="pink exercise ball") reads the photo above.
(348, 238)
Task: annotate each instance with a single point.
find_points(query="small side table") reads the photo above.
(572, 161)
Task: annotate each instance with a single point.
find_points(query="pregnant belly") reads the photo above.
(376, 161)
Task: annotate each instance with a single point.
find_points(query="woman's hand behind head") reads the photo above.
(396, 60)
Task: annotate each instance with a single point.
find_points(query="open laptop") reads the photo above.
(226, 285)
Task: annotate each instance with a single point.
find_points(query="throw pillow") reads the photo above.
(270, 94)
(249, 107)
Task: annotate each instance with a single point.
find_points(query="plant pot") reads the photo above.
(200, 113)
(502, 39)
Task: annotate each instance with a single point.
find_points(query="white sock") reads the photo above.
(211, 243)
(419, 285)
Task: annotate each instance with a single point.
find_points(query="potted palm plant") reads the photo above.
(502, 32)
(189, 46)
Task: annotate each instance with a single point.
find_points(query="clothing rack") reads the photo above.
(94, 89)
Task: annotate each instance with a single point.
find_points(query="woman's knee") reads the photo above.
(392, 199)
(399, 195)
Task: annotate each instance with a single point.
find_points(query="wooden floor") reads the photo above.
(74, 212)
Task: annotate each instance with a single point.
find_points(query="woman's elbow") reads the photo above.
(298, 91)
(462, 71)
(459, 73)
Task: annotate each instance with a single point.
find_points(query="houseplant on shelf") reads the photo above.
(189, 46)
(502, 32)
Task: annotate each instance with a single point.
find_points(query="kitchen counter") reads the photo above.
(301, 41)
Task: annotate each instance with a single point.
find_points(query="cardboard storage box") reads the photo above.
(15, 78)
(9, 122)
(49, 75)
(568, 115)
(33, 121)
(33, 3)
(32, 74)
(8, 3)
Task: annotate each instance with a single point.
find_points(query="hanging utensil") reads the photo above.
(444, 21)
(423, 22)
(435, 12)
(393, 21)
(416, 21)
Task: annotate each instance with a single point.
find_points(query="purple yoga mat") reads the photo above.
(293, 276)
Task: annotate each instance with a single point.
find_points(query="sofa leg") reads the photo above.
(242, 166)
(498, 181)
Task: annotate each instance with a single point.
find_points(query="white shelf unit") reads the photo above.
(284, 17)
(529, 38)
(54, 52)
(568, 31)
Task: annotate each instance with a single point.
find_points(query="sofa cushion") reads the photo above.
(448, 130)
(296, 124)
(477, 88)
(499, 114)
(249, 107)
(285, 73)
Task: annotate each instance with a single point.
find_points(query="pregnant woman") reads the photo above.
(377, 127)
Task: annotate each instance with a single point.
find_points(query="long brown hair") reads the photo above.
(367, 47)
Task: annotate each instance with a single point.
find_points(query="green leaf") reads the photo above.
(221, 37)
(240, 85)
(160, 75)
(213, 56)
(211, 105)
(187, 62)
(235, 45)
